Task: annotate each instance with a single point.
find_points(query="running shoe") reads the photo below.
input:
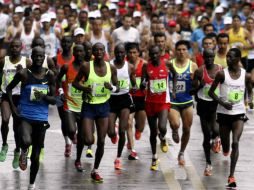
(114, 139)
(117, 164)
(31, 187)
(3, 153)
(29, 151)
(164, 146)
(181, 160)
(216, 145)
(15, 162)
(208, 170)
(231, 183)
(41, 157)
(23, 160)
(89, 153)
(133, 155)
(67, 152)
(78, 166)
(175, 136)
(96, 177)
(137, 134)
(155, 164)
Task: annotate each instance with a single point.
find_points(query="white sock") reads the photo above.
(155, 156)
(95, 170)
(67, 140)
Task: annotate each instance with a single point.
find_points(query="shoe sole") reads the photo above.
(95, 181)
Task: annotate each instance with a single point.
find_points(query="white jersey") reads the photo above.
(123, 79)
(9, 70)
(102, 40)
(5, 20)
(50, 43)
(232, 90)
(26, 40)
(251, 51)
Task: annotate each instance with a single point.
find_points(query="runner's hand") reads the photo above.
(38, 95)
(87, 89)
(108, 85)
(227, 105)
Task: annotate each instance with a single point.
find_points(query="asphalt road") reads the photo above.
(57, 172)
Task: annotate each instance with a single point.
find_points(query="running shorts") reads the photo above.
(153, 109)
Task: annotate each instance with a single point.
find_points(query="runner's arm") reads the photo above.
(144, 77)
(62, 72)
(219, 79)
(50, 97)
(196, 83)
(83, 73)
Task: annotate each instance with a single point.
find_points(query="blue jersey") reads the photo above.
(30, 107)
(183, 84)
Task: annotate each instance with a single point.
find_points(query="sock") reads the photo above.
(155, 156)
(67, 140)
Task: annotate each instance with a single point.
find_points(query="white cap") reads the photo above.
(73, 6)
(45, 18)
(35, 7)
(114, 1)
(52, 15)
(163, 1)
(224, 4)
(177, 2)
(78, 31)
(228, 20)
(91, 14)
(112, 6)
(219, 9)
(97, 14)
(137, 14)
(199, 18)
(19, 9)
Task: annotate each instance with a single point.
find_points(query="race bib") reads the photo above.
(158, 86)
(180, 86)
(235, 96)
(206, 90)
(74, 92)
(43, 90)
(99, 90)
(123, 84)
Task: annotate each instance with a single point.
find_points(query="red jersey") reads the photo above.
(138, 74)
(165, 57)
(158, 91)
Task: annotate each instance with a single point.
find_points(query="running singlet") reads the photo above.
(60, 62)
(9, 70)
(100, 94)
(183, 84)
(30, 107)
(232, 90)
(238, 40)
(26, 40)
(123, 79)
(50, 42)
(73, 96)
(203, 92)
(220, 61)
(138, 73)
(158, 91)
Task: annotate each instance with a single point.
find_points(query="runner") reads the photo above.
(72, 100)
(233, 81)
(96, 93)
(206, 107)
(182, 105)
(121, 102)
(157, 103)
(8, 68)
(37, 92)
(138, 97)
(64, 58)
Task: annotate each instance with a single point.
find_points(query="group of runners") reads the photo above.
(107, 85)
